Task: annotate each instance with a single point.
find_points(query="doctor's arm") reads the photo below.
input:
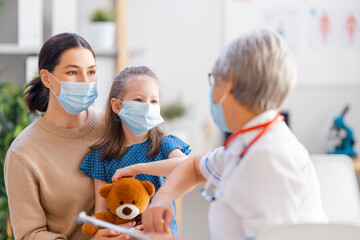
(158, 168)
(181, 180)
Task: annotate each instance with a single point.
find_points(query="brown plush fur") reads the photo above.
(124, 191)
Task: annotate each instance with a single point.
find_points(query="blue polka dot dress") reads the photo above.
(94, 167)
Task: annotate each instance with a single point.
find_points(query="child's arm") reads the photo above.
(100, 202)
(157, 168)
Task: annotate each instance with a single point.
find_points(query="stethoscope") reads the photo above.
(209, 189)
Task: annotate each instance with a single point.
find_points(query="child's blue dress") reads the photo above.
(94, 167)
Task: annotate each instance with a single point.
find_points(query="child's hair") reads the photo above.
(113, 142)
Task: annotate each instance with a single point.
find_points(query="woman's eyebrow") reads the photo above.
(72, 66)
(76, 66)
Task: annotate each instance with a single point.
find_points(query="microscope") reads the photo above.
(345, 135)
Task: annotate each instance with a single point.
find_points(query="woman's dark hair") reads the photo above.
(113, 142)
(36, 94)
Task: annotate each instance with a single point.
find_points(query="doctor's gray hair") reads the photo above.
(262, 67)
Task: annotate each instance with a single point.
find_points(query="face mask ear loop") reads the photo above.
(223, 99)
(56, 80)
(121, 102)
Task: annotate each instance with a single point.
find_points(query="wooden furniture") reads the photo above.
(356, 162)
(122, 58)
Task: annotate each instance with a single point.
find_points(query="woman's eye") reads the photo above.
(71, 72)
(92, 72)
(154, 102)
(137, 100)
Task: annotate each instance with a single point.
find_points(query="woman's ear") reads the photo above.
(115, 105)
(44, 75)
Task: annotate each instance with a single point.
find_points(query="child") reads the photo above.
(132, 135)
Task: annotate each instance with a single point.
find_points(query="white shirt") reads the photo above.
(274, 183)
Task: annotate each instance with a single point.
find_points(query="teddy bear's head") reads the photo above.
(127, 197)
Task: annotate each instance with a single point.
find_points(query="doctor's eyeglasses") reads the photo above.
(211, 79)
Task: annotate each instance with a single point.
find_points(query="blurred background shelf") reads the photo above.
(14, 49)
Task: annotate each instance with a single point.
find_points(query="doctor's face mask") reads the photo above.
(217, 112)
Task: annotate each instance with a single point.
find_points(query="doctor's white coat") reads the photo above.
(274, 183)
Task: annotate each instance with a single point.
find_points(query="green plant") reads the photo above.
(14, 118)
(2, 7)
(102, 15)
(173, 110)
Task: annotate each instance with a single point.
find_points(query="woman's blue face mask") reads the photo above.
(76, 97)
(140, 117)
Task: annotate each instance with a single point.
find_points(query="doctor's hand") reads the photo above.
(160, 208)
(129, 171)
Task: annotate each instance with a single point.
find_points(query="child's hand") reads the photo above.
(129, 171)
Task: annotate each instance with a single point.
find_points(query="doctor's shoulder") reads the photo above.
(281, 149)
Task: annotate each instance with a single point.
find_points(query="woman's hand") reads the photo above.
(129, 171)
(104, 234)
(160, 208)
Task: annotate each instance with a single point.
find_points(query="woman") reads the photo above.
(45, 187)
(264, 174)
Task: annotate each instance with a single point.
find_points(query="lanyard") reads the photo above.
(266, 127)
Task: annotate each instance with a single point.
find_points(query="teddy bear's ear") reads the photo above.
(105, 189)
(149, 187)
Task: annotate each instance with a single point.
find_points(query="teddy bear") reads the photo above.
(126, 199)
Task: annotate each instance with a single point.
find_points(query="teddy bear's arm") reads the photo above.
(106, 216)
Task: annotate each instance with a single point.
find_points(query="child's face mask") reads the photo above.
(76, 97)
(140, 117)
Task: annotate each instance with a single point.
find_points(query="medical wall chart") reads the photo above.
(323, 36)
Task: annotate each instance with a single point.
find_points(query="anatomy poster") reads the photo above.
(285, 21)
(338, 28)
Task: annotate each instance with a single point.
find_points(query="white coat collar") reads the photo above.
(239, 143)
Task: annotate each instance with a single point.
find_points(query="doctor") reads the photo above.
(263, 174)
